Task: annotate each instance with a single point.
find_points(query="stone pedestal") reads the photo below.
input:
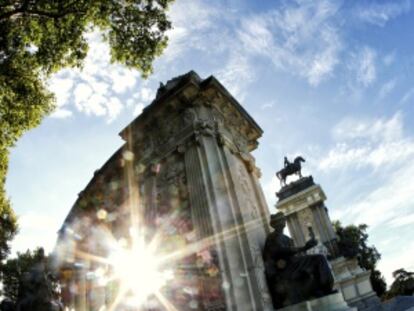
(334, 302)
(354, 283)
(303, 204)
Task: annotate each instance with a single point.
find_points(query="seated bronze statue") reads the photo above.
(293, 276)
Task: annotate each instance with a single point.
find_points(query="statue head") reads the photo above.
(278, 221)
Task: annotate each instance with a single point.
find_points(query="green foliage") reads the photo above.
(353, 243)
(403, 284)
(8, 227)
(13, 270)
(39, 37)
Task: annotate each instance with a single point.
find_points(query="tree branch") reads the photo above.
(40, 13)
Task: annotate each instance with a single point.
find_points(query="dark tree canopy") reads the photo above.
(39, 37)
(14, 269)
(8, 227)
(403, 284)
(353, 243)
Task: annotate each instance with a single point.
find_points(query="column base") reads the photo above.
(334, 302)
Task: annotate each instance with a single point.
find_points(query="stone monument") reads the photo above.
(190, 158)
(302, 202)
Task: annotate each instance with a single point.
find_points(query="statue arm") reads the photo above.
(284, 247)
(290, 250)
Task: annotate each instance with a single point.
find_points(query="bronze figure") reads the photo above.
(292, 276)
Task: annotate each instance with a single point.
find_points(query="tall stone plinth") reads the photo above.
(303, 204)
(193, 147)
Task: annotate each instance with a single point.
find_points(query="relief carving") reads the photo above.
(247, 193)
(189, 116)
(259, 269)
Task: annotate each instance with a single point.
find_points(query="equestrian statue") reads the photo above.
(290, 169)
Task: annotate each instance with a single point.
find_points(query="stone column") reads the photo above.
(218, 211)
(81, 299)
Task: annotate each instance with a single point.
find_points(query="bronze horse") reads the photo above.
(290, 169)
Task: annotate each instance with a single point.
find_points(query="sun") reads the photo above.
(138, 270)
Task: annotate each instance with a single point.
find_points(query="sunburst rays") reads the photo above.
(121, 259)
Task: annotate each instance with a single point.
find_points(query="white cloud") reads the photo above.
(95, 105)
(389, 58)
(32, 232)
(402, 258)
(403, 220)
(267, 105)
(376, 130)
(256, 35)
(146, 94)
(61, 86)
(61, 113)
(97, 89)
(383, 197)
(123, 80)
(386, 203)
(386, 88)
(362, 143)
(388, 207)
(36, 221)
(138, 109)
(409, 95)
(380, 13)
(380, 145)
(364, 65)
(236, 74)
(114, 107)
(193, 21)
(82, 93)
(301, 38)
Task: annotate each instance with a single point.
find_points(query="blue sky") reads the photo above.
(330, 80)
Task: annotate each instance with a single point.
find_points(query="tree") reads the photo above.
(39, 37)
(8, 227)
(403, 284)
(14, 269)
(353, 243)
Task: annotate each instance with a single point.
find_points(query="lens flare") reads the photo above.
(138, 271)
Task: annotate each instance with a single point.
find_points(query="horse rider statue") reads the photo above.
(290, 169)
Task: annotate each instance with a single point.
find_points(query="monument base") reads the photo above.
(334, 302)
(354, 283)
